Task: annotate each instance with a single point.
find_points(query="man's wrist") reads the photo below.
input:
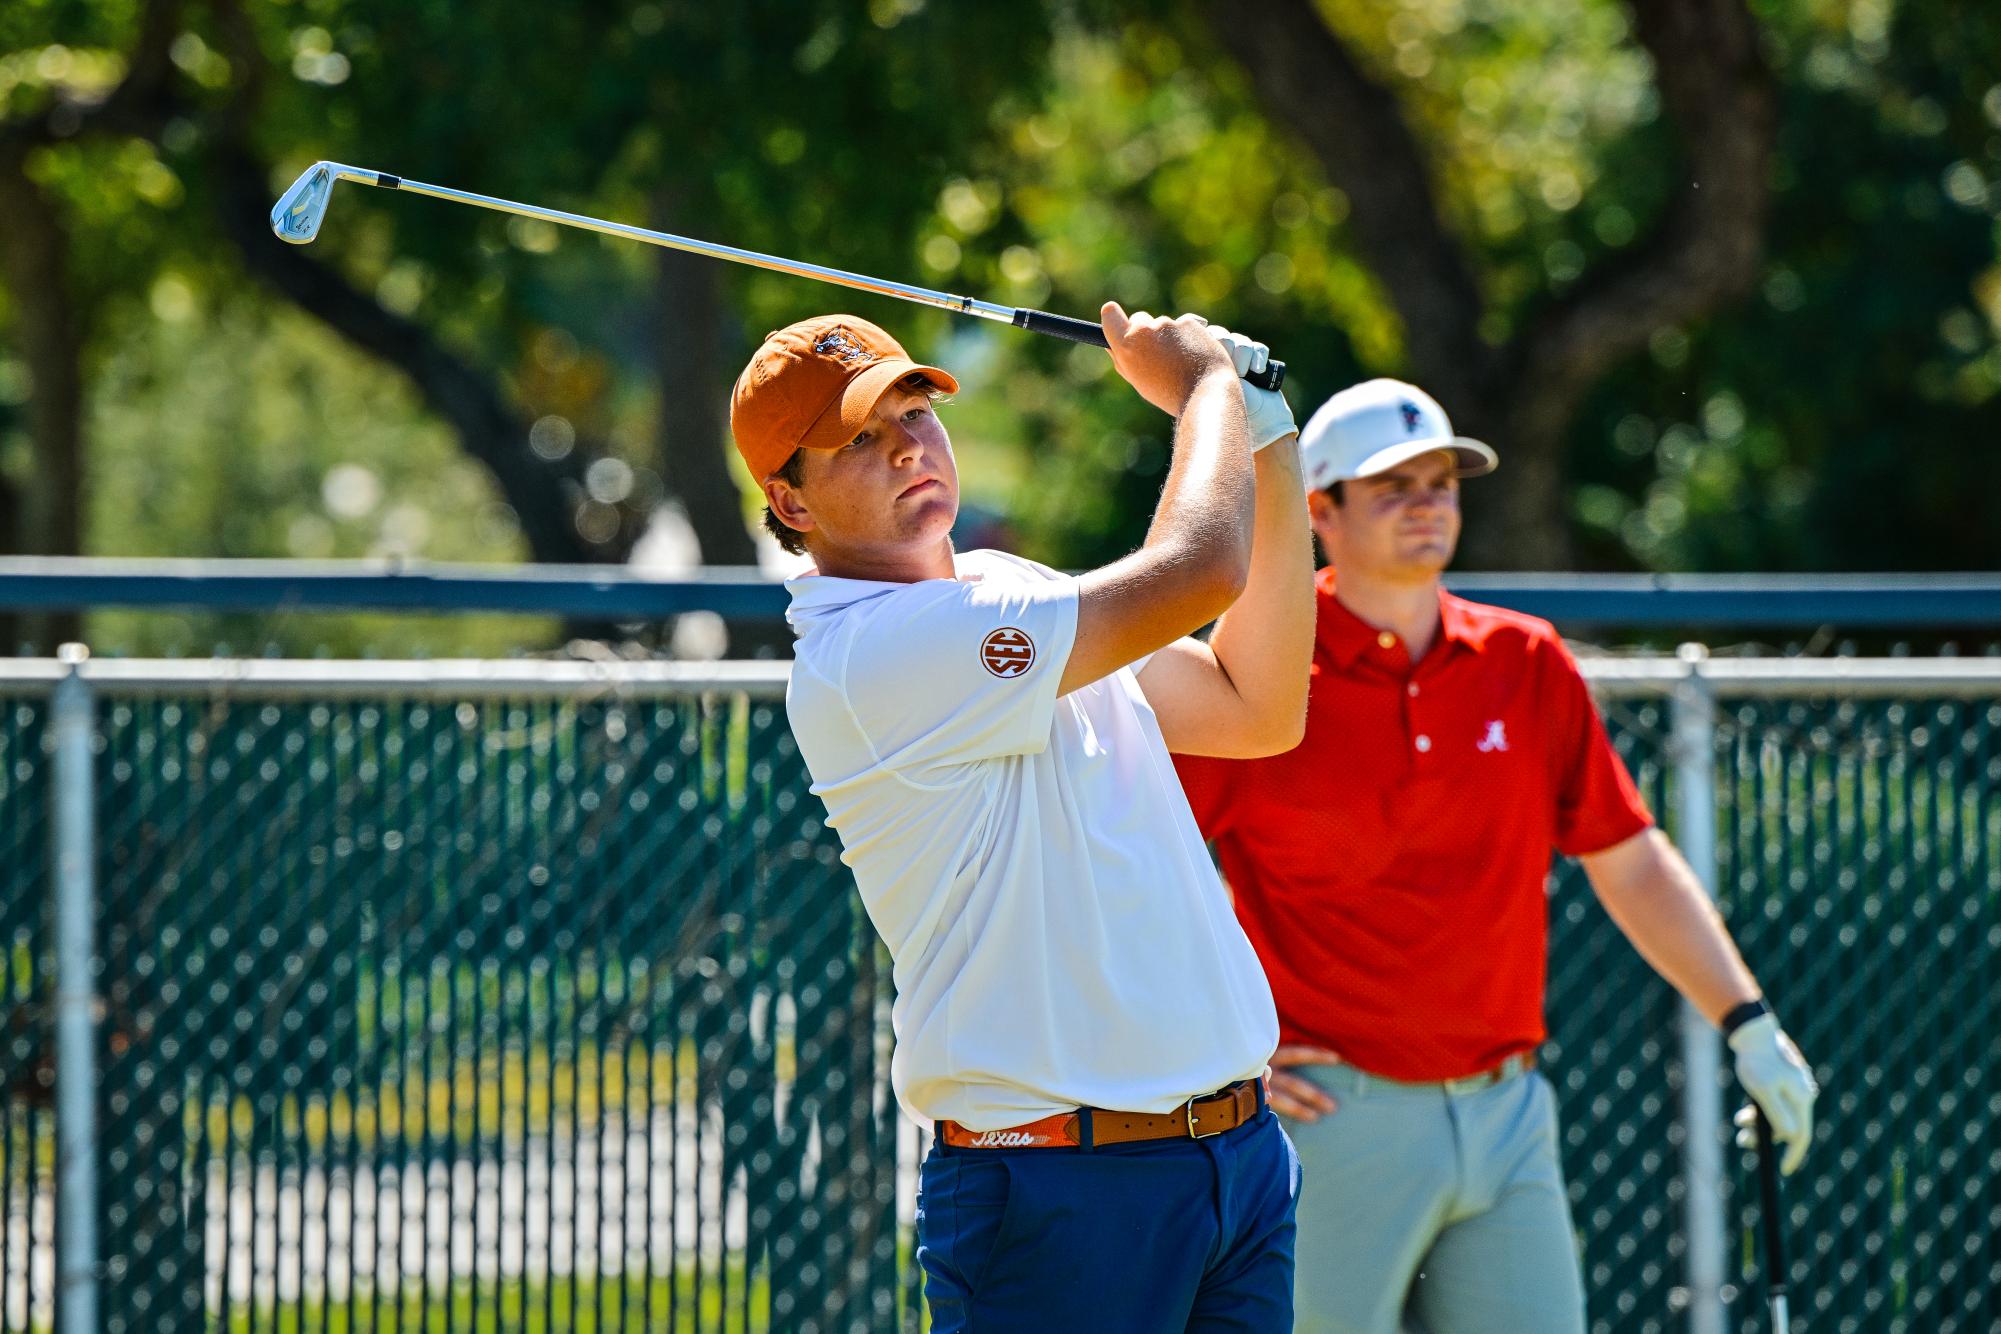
(1739, 1015)
(1203, 382)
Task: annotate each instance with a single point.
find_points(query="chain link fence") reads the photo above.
(534, 997)
(27, 1057)
(483, 1010)
(1860, 864)
(1613, 1059)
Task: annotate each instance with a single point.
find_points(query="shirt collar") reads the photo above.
(815, 594)
(1345, 637)
(1459, 624)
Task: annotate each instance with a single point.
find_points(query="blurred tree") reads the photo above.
(680, 123)
(543, 476)
(677, 120)
(589, 379)
(61, 97)
(1541, 208)
(813, 131)
(1817, 425)
(1845, 418)
(1523, 378)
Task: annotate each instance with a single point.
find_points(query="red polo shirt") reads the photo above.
(1391, 870)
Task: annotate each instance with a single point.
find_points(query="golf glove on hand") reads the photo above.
(1774, 1073)
(1269, 415)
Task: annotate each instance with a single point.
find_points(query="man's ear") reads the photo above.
(1321, 511)
(1324, 516)
(788, 503)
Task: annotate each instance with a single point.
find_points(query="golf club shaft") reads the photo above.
(1768, 1210)
(1036, 321)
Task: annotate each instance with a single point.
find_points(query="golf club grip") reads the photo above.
(1768, 1216)
(1083, 331)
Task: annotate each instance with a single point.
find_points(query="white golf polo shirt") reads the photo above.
(1060, 936)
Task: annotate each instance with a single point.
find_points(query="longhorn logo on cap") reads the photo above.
(834, 343)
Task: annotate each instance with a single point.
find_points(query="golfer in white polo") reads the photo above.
(1077, 1009)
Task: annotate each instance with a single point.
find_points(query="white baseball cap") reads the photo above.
(1373, 426)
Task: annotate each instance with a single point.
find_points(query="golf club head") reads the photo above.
(297, 215)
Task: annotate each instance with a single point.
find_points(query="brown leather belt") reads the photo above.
(1198, 1118)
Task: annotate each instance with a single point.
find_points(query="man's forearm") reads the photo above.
(1265, 641)
(1650, 891)
(1206, 502)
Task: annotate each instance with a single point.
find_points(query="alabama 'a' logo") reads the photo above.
(1007, 652)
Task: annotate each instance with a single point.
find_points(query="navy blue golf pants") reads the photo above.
(1158, 1237)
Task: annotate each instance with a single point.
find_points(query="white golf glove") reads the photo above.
(1774, 1073)
(1269, 414)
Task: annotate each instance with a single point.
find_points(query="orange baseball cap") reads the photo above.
(812, 385)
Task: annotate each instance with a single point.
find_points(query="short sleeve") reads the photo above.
(1597, 804)
(953, 671)
(1209, 783)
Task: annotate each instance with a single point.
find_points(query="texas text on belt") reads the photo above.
(1092, 1127)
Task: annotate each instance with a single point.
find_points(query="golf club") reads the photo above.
(297, 216)
(1768, 1213)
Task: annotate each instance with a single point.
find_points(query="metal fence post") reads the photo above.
(1694, 756)
(73, 723)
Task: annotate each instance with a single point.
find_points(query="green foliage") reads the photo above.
(810, 131)
(1052, 156)
(1834, 421)
(1131, 179)
(1844, 418)
(623, 109)
(245, 430)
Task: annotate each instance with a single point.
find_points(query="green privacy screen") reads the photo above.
(558, 1012)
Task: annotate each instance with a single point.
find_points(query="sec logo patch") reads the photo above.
(1007, 652)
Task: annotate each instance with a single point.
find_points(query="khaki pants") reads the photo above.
(1434, 1210)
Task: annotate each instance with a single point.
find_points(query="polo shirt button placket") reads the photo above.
(1421, 741)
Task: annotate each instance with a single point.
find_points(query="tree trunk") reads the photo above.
(694, 421)
(1515, 518)
(1700, 254)
(543, 494)
(694, 397)
(35, 257)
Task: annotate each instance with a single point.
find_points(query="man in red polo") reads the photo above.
(1390, 873)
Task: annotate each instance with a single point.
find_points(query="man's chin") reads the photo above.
(1428, 557)
(935, 506)
(925, 519)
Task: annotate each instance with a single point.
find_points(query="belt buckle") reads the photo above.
(1193, 1133)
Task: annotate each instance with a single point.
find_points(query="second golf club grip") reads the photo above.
(1774, 1227)
(1084, 331)
(1768, 1190)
